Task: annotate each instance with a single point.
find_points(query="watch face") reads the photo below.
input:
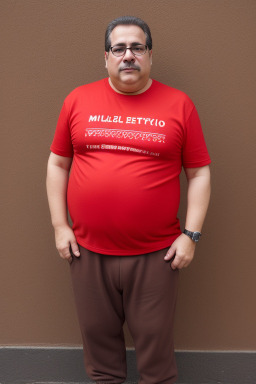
(196, 236)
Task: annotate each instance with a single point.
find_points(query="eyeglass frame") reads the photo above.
(132, 47)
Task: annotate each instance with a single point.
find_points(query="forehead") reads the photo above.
(127, 34)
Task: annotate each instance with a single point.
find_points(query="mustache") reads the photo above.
(128, 66)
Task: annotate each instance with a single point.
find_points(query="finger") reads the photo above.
(65, 253)
(177, 263)
(174, 265)
(75, 249)
(170, 254)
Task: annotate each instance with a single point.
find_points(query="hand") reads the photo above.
(65, 238)
(182, 249)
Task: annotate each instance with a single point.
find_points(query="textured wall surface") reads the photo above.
(206, 49)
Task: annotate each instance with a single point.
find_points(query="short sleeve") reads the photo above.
(194, 151)
(62, 144)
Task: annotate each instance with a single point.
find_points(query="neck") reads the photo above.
(130, 91)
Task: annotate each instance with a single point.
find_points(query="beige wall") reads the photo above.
(205, 48)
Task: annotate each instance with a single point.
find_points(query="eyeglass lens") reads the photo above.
(137, 50)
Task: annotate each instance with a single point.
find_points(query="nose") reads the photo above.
(128, 56)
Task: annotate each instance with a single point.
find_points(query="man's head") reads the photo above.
(128, 20)
(128, 54)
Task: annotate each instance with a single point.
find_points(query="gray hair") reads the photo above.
(127, 20)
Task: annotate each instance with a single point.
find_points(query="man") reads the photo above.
(127, 138)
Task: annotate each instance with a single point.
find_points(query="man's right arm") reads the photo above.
(56, 184)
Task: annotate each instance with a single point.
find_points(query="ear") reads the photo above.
(150, 56)
(106, 59)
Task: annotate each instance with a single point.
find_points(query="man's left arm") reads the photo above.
(198, 196)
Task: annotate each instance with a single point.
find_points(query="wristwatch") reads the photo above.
(195, 236)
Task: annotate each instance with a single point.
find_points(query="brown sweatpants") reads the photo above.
(140, 289)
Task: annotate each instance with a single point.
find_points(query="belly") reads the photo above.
(123, 198)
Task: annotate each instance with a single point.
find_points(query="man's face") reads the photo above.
(128, 73)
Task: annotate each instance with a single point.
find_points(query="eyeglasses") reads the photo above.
(137, 50)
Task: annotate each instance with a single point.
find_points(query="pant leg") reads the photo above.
(98, 299)
(149, 296)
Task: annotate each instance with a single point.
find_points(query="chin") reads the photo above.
(128, 83)
(129, 78)
(128, 75)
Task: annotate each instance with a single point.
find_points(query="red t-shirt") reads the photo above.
(128, 151)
